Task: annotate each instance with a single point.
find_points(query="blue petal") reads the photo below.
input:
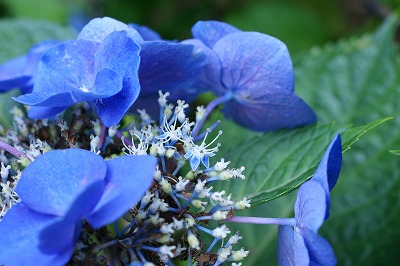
(99, 28)
(124, 60)
(53, 181)
(19, 241)
(270, 110)
(310, 206)
(292, 250)
(107, 83)
(146, 33)
(118, 53)
(60, 236)
(19, 71)
(37, 112)
(319, 250)
(209, 77)
(209, 32)
(128, 178)
(257, 70)
(112, 109)
(63, 234)
(253, 62)
(53, 101)
(169, 67)
(63, 69)
(194, 162)
(12, 74)
(206, 161)
(328, 170)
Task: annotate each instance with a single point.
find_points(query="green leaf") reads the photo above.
(354, 81)
(279, 162)
(358, 81)
(16, 38)
(396, 152)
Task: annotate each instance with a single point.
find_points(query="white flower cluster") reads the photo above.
(173, 215)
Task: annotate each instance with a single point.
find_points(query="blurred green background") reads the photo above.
(301, 24)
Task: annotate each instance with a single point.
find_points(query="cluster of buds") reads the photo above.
(174, 216)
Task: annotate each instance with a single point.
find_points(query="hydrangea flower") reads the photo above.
(252, 74)
(100, 67)
(168, 66)
(301, 244)
(58, 190)
(20, 71)
(146, 33)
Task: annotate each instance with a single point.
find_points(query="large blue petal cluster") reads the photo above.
(107, 66)
(302, 245)
(100, 67)
(254, 73)
(57, 191)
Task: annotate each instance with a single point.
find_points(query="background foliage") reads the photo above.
(347, 69)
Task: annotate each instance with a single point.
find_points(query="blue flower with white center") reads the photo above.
(253, 76)
(301, 244)
(20, 71)
(201, 153)
(57, 191)
(100, 67)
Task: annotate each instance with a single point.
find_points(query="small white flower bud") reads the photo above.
(193, 241)
(220, 215)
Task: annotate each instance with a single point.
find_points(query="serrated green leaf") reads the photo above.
(279, 162)
(16, 38)
(356, 81)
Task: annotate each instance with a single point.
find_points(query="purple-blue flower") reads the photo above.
(57, 191)
(100, 67)
(301, 244)
(252, 73)
(19, 72)
(167, 66)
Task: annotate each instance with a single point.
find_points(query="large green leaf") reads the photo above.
(277, 163)
(356, 81)
(16, 38)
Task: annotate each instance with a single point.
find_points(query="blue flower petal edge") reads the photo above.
(255, 76)
(302, 245)
(57, 192)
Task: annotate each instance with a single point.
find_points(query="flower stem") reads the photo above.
(12, 150)
(102, 135)
(261, 220)
(125, 140)
(210, 107)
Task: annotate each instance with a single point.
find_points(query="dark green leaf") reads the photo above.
(358, 81)
(354, 81)
(277, 163)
